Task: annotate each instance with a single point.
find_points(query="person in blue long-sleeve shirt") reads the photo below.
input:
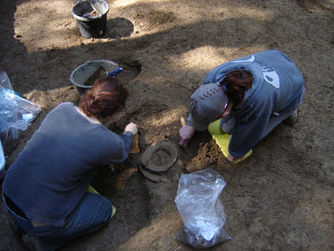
(252, 95)
(45, 189)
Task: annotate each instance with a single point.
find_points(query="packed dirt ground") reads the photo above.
(281, 198)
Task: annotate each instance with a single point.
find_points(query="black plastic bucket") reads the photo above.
(91, 16)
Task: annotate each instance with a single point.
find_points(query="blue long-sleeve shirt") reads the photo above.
(51, 175)
(277, 86)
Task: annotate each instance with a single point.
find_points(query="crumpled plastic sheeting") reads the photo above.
(16, 113)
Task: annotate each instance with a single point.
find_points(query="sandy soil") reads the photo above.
(281, 198)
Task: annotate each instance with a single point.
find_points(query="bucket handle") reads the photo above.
(115, 72)
(91, 2)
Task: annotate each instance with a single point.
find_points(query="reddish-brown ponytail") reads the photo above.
(105, 97)
(237, 83)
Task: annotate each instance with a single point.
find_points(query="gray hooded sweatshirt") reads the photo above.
(276, 92)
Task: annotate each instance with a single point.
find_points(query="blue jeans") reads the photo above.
(92, 213)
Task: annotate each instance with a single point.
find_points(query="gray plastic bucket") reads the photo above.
(91, 25)
(84, 72)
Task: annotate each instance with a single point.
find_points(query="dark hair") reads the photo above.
(237, 83)
(105, 97)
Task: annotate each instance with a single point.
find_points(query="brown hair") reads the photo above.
(105, 97)
(237, 83)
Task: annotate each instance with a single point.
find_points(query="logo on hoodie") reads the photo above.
(268, 73)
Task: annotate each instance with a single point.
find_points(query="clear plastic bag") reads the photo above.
(16, 113)
(200, 208)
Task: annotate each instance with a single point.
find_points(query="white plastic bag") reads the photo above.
(2, 162)
(16, 113)
(200, 208)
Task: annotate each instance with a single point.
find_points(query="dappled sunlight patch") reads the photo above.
(170, 221)
(123, 3)
(157, 121)
(207, 57)
(51, 98)
(247, 11)
(204, 58)
(46, 23)
(165, 117)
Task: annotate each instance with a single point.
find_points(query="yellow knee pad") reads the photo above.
(223, 140)
(91, 189)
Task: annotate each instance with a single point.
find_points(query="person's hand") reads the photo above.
(231, 158)
(186, 132)
(131, 127)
